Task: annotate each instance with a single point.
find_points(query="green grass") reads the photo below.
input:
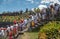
(33, 35)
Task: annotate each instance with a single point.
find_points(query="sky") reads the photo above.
(17, 5)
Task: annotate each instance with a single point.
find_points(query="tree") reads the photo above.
(37, 10)
(31, 12)
(21, 12)
(26, 10)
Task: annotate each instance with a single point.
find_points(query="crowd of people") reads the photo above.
(45, 14)
(12, 30)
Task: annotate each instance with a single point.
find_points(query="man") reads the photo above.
(32, 17)
(14, 31)
(35, 19)
(56, 6)
(2, 32)
(14, 21)
(21, 24)
(17, 27)
(10, 34)
(8, 30)
(25, 22)
(32, 22)
(44, 14)
(11, 26)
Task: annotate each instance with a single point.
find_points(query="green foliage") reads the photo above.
(52, 30)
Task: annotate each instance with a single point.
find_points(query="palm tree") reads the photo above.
(37, 11)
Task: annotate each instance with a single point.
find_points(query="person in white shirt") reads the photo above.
(2, 31)
(43, 17)
(11, 27)
(25, 21)
(8, 28)
(25, 24)
(32, 17)
(17, 26)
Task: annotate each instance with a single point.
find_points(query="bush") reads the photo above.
(51, 30)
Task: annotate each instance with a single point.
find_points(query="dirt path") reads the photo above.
(25, 36)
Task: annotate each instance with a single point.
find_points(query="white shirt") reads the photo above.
(11, 27)
(2, 31)
(16, 24)
(8, 28)
(25, 21)
(32, 17)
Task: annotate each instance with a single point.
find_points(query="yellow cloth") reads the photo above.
(33, 24)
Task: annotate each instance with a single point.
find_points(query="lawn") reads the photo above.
(33, 35)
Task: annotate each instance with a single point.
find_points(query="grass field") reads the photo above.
(33, 35)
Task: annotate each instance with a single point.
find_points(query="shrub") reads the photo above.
(50, 30)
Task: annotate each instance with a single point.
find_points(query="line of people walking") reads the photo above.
(12, 30)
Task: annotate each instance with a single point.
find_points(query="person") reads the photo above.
(32, 22)
(22, 20)
(35, 19)
(10, 34)
(56, 6)
(36, 16)
(14, 31)
(25, 23)
(17, 27)
(44, 14)
(32, 17)
(8, 30)
(21, 24)
(2, 32)
(14, 22)
(11, 26)
(43, 17)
